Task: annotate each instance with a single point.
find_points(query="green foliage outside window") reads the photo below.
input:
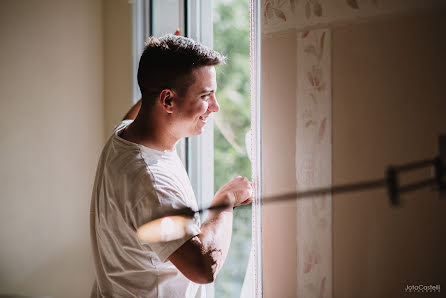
(232, 123)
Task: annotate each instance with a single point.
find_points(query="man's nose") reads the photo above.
(213, 105)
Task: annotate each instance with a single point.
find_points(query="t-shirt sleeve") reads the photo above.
(121, 125)
(156, 203)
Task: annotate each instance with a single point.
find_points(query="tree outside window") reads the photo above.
(232, 123)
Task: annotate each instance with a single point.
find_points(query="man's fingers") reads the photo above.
(250, 190)
(246, 202)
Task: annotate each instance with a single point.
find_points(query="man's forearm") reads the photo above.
(201, 258)
(215, 236)
(133, 112)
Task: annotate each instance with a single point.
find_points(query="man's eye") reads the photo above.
(206, 96)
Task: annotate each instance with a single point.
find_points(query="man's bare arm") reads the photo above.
(133, 112)
(201, 258)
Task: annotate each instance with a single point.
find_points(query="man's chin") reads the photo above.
(199, 130)
(196, 132)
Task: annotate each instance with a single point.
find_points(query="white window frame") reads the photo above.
(256, 284)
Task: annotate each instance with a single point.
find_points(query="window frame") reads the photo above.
(256, 146)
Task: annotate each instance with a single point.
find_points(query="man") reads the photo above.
(140, 177)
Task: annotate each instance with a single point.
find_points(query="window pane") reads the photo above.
(167, 16)
(231, 125)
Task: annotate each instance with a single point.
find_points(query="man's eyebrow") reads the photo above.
(206, 90)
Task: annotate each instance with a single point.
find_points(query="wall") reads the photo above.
(118, 97)
(278, 155)
(385, 78)
(389, 105)
(51, 130)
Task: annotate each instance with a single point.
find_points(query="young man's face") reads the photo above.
(198, 103)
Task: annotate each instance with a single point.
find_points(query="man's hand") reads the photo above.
(236, 192)
(201, 258)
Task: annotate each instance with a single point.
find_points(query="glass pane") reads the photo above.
(231, 126)
(167, 16)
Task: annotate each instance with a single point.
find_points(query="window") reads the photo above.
(224, 144)
(231, 128)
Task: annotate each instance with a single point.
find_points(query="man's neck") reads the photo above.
(150, 134)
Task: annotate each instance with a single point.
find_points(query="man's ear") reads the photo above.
(166, 100)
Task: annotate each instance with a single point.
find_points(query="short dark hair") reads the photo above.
(167, 63)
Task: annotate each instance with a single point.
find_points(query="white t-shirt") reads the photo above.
(133, 185)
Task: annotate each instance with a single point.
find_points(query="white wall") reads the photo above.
(51, 131)
(387, 74)
(388, 108)
(118, 88)
(279, 221)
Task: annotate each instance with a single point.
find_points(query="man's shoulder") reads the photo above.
(122, 163)
(121, 125)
